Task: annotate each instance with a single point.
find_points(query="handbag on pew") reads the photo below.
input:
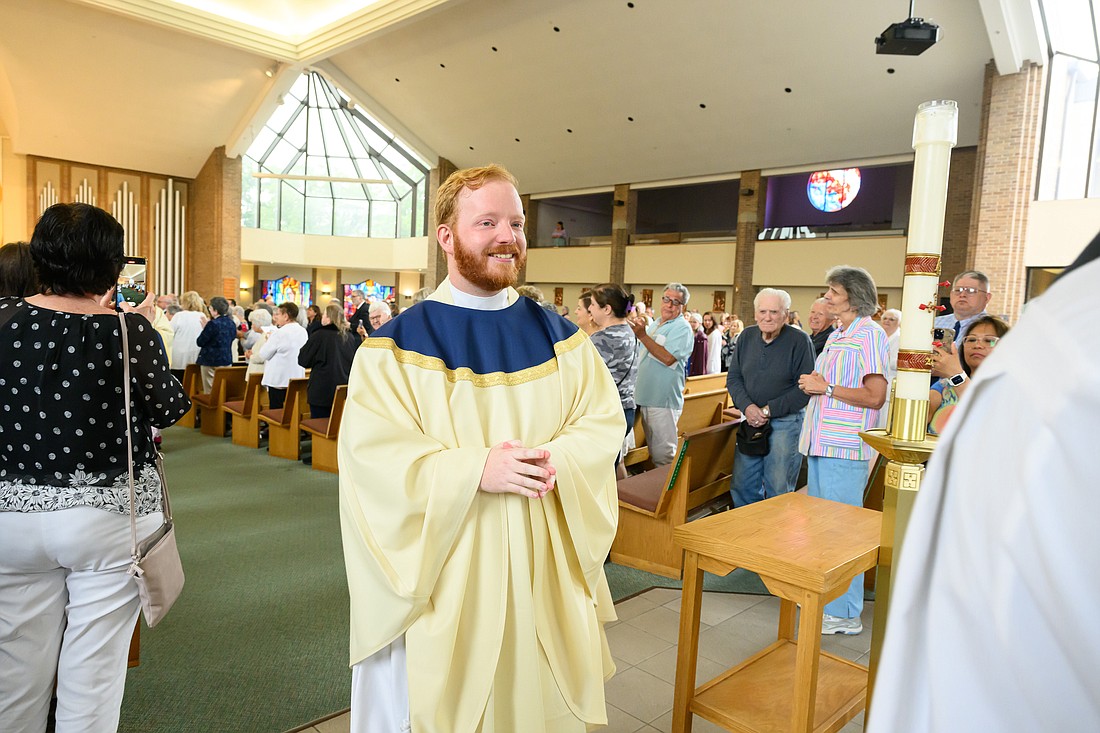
(754, 441)
(154, 561)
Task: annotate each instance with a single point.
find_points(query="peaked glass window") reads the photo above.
(338, 170)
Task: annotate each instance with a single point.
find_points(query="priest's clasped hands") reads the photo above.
(513, 469)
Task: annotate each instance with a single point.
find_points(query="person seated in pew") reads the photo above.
(281, 354)
(328, 353)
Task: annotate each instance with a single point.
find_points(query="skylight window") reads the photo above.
(326, 167)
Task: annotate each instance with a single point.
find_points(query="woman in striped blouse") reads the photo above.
(847, 390)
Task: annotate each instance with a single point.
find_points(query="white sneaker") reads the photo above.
(837, 625)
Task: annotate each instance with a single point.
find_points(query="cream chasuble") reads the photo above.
(501, 599)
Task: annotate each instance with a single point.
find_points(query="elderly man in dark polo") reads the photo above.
(763, 381)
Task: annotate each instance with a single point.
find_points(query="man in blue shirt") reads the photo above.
(664, 349)
(970, 294)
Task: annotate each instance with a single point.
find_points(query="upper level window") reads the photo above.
(1069, 167)
(327, 167)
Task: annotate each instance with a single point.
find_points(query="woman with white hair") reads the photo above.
(847, 389)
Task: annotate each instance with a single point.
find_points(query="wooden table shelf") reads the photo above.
(807, 551)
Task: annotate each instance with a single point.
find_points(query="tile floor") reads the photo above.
(643, 642)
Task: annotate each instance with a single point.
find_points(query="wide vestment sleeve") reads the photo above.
(498, 596)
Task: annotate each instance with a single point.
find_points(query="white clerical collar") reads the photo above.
(495, 302)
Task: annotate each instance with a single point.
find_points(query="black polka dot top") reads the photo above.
(62, 416)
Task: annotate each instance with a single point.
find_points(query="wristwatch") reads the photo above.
(767, 411)
(956, 380)
(829, 391)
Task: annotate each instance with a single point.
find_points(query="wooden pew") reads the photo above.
(705, 383)
(325, 431)
(284, 426)
(245, 412)
(228, 384)
(701, 409)
(192, 385)
(652, 503)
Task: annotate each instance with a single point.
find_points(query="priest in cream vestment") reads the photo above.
(477, 497)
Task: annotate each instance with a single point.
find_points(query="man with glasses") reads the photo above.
(659, 391)
(360, 320)
(380, 313)
(970, 294)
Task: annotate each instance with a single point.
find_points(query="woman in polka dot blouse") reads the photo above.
(67, 604)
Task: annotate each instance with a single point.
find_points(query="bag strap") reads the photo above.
(166, 507)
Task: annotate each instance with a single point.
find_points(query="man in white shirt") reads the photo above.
(281, 354)
(992, 623)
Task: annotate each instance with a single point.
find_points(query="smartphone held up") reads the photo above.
(131, 282)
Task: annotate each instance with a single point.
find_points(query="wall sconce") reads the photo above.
(620, 202)
(245, 287)
(747, 191)
(326, 292)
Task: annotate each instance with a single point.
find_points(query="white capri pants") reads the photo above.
(68, 607)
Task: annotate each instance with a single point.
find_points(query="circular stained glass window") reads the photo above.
(833, 190)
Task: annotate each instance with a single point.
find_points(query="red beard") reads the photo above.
(477, 270)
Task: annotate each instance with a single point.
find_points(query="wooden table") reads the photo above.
(806, 550)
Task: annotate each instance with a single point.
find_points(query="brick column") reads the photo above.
(960, 200)
(750, 218)
(1008, 146)
(437, 261)
(624, 219)
(214, 258)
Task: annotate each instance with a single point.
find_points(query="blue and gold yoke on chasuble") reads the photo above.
(502, 599)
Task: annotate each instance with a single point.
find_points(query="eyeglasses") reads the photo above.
(968, 291)
(672, 301)
(989, 341)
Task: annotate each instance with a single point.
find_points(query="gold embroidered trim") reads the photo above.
(465, 374)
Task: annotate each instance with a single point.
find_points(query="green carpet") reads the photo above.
(258, 641)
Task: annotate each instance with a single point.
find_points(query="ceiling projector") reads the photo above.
(910, 37)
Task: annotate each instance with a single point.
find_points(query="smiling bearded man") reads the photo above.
(477, 496)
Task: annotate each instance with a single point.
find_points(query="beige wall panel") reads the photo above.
(324, 286)
(307, 250)
(1057, 231)
(78, 175)
(584, 265)
(46, 173)
(709, 263)
(14, 226)
(804, 262)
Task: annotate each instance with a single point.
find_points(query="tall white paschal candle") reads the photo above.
(935, 132)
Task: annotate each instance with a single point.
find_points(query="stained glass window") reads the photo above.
(833, 190)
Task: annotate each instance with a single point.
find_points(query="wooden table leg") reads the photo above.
(687, 652)
(806, 663)
(787, 613)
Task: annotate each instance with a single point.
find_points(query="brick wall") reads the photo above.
(214, 257)
(1006, 166)
(956, 223)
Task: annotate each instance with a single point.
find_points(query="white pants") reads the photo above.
(659, 424)
(380, 691)
(67, 607)
(207, 378)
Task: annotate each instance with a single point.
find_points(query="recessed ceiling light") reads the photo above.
(557, 30)
(889, 71)
(787, 90)
(630, 5)
(568, 130)
(443, 66)
(471, 147)
(397, 80)
(702, 106)
(494, 49)
(517, 139)
(629, 119)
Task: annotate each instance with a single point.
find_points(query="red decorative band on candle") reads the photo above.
(922, 264)
(914, 361)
